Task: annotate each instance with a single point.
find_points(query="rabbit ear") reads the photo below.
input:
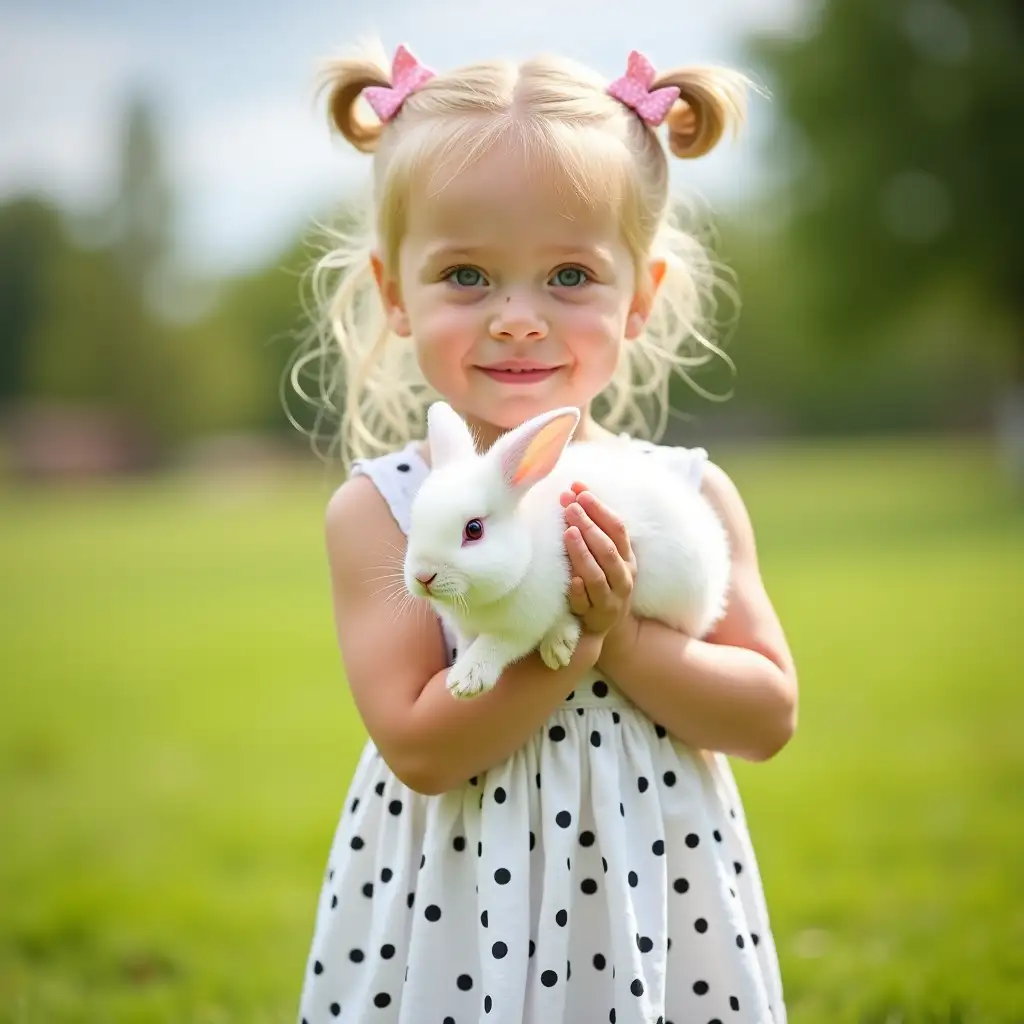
(528, 453)
(448, 435)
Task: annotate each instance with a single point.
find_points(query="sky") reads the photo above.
(248, 148)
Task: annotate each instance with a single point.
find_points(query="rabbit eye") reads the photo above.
(474, 530)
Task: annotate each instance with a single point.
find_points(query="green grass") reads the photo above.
(176, 741)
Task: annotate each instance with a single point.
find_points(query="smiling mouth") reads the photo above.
(519, 374)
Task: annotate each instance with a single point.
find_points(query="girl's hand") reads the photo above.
(603, 565)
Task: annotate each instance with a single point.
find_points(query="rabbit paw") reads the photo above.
(557, 647)
(469, 678)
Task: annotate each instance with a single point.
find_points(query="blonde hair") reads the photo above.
(562, 113)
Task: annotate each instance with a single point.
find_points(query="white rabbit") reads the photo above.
(486, 543)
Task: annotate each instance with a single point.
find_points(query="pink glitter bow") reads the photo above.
(634, 89)
(407, 75)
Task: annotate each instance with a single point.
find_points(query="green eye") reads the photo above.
(570, 277)
(466, 277)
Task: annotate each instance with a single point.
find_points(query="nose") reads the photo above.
(516, 319)
(426, 578)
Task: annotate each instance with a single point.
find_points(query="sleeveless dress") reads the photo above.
(603, 872)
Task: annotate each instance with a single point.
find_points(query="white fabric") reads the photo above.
(604, 872)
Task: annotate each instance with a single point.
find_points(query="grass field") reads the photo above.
(176, 741)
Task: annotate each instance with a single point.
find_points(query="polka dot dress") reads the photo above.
(602, 873)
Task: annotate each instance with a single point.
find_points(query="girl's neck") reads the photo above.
(487, 434)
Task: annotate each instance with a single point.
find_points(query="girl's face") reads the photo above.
(518, 297)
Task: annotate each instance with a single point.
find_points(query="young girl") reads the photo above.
(564, 848)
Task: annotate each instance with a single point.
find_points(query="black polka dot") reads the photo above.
(488, 1003)
(669, 778)
(423, 860)
(738, 866)
(499, 950)
(568, 970)
(700, 988)
(599, 961)
(500, 795)
(318, 968)
(533, 947)
(563, 819)
(538, 780)
(589, 886)
(502, 876)
(568, 864)
(473, 780)
(356, 843)
(483, 918)
(459, 844)
(330, 877)
(586, 838)
(368, 890)
(636, 987)
(410, 899)
(355, 955)
(714, 1020)
(701, 925)
(335, 1009)
(381, 999)
(622, 811)
(644, 943)
(562, 918)
(403, 467)
(556, 734)
(660, 732)
(755, 938)
(433, 912)
(658, 848)
(354, 805)
(611, 1016)
(717, 835)
(734, 1003)
(604, 864)
(600, 688)
(642, 784)
(533, 840)
(579, 712)
(739, 941)
(386, 874)
(387, 951)
(448, 1020)
(633, 880)
(395, 807)
(681, 885)
(693, 840)
(616, 718)
(549, 978)
(379, 789)
(595, 739)
(465, 982)
(668, 945)
(334, 902)
(479, 849)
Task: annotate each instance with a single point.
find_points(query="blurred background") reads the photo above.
(176, 737)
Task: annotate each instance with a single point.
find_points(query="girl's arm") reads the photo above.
(735, 691)
(394, 657)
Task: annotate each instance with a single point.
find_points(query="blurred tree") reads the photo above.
(31, 235)
(903, 166)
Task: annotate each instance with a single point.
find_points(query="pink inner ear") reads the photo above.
(542, 453)
(533, 457)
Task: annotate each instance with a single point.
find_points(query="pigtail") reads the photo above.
(344, 80)
(712, 102)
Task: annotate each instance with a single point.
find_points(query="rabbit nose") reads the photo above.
(426, 578)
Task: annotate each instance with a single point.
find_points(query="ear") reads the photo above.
(390, 297)
(643, 300)
(448, 435)
(527, 454)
